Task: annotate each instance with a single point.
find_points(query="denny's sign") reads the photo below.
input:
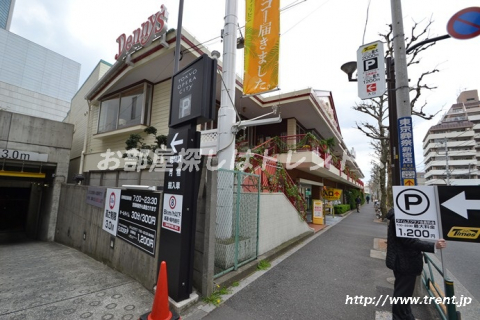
(155, 26)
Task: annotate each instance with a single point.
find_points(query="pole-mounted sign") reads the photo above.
(192, 102)
(465, 24)
(371, 70)
(408, 172)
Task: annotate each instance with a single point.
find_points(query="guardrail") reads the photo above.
(446, 311)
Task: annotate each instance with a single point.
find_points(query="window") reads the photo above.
(125, 109)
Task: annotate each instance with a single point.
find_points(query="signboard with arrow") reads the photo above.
(460, 212)
(416, 212)
(331, 194)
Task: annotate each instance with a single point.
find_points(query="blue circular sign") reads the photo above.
(465, 24)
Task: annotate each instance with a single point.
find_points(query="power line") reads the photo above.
(304, 18)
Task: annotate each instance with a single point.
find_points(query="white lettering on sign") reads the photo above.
(415, 212)
(185, 83)
(155, 26)
(172, 212)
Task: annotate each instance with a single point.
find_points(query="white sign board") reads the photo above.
(23, 155)
(112, 206)
(318, 208)
(172, 212)
(416, 212)
(371, 70)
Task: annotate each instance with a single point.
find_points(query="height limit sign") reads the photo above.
(371, 70)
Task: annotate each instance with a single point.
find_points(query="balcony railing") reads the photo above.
(304, 142)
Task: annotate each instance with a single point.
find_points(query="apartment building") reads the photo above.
(452, 147)
(6, 13)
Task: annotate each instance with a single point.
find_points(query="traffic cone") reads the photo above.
(161, 309)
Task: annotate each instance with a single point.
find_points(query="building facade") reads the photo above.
(6, 13)
(34, 80)
(143, 80)
(304, 148)
(452, 147)
(79, 115)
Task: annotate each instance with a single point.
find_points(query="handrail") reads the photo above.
(303, 142)
(428, 280)
(277, 181)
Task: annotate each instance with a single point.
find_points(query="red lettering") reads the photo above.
(136, 36)
(143, 36)
(129, 43)
(121, 46)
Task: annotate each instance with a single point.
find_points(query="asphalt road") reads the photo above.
(462, 259)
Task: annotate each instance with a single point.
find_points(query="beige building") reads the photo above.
(452, 147)
(103, 107)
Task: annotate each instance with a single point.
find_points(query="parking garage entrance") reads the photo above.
(23, 191)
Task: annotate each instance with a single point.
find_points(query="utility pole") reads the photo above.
(400, 58)
(226, 121)
(403, 122)
(226, 114)
(179, 38)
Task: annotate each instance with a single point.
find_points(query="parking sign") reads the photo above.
(371, 70)
(416, 212)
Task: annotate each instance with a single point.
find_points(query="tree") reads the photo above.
(378, 128)
(136, 142)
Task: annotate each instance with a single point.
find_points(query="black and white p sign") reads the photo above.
(416, 212)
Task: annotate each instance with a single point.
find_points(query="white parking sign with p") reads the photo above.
(415, 212)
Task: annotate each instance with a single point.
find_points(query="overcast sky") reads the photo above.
(317, 37)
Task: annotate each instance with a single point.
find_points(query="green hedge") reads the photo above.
(351, 195)
(341, 208)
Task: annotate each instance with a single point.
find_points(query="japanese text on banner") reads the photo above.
(262, 46)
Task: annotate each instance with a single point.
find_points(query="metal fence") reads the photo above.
(238, 204)
(447, 311)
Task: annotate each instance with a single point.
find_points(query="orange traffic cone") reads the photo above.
(161, 309)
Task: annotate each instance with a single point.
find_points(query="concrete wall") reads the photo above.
(26, 133)
(76, 217)
(279, 222)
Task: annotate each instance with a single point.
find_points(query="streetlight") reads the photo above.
(349, 68)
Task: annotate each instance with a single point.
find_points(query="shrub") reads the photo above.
(341, 208)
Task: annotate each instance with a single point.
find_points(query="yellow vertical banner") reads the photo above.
(262, 46)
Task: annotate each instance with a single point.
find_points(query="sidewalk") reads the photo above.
(315, 279)
(46, 280)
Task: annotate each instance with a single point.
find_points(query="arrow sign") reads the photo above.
(175, 142)
(460, 205)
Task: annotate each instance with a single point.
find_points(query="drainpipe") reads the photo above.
(82, 156)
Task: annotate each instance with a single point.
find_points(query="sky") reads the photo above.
(317, 37)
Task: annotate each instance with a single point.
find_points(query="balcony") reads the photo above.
(301, 152)
(306, 153)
